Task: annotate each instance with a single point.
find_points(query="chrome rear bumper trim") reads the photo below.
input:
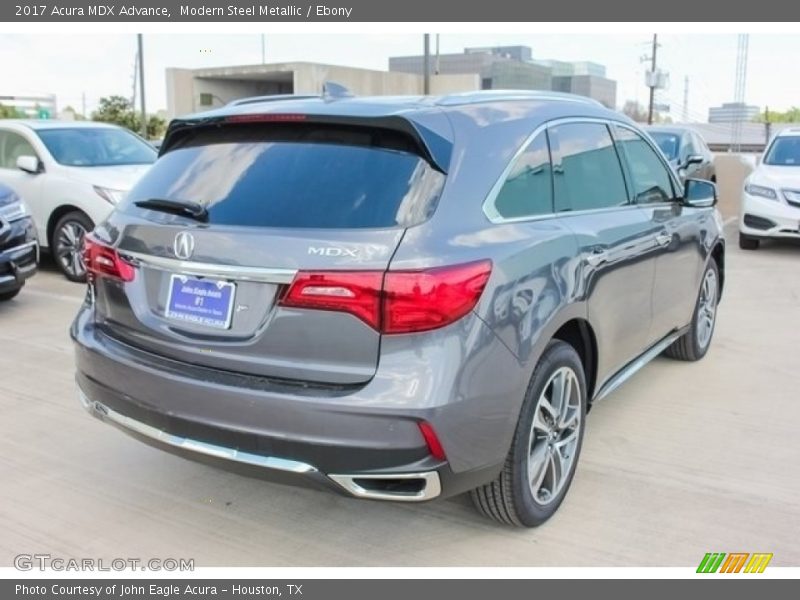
(268, 462)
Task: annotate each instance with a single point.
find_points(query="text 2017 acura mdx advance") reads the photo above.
(395, 298)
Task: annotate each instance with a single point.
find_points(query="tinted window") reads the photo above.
(784, 152)
(12, 146)
(96, 147)
(668, 142)
(295, 183)
(528, 189)
(650, 178)
(586, 170)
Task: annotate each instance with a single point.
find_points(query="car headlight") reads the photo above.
(760, 190)
(109, 195)
(792, 196)
(14, 211)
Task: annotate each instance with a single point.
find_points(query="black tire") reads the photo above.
(747, 242)
(509, 499)
(688, 346)
(9, 295)
(62, 255)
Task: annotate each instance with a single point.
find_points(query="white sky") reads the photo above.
(102, 65)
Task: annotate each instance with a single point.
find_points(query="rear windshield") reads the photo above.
(301, 177)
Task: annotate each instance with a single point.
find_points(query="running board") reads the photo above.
(632, 367)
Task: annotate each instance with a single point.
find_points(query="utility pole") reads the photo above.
(686, 99)
(426, 64)
(263, 49)
(767, 126)
(652, 87)
(83, 104)
(436, 68)
(141, 84)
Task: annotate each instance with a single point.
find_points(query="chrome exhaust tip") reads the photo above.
(397, 487)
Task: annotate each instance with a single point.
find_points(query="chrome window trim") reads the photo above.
(489, 208)
(187, 267)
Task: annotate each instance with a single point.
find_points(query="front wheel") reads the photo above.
(544, 453)
(747, 242)
(9, 295)
(67, 244)
(694, 344)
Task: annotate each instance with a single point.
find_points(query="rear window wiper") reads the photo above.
(193, 210)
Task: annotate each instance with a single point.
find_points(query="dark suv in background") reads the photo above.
(19, 250)
(395, 298)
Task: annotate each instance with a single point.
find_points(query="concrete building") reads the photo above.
(601, 89)
(731, 112)
(32, 106)
(513, 67)
(193, 90)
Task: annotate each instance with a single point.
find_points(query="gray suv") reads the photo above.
(395, 298)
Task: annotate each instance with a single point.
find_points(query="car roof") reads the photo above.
(402, 106)
(789, 131)
(674, 129)
(41, 124)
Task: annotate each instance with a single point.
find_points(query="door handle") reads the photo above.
(597, 257)
(663, 238)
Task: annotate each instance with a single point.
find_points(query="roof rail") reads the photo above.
(509, 95)
(271, 98)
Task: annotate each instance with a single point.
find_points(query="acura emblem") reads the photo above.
(183, 245)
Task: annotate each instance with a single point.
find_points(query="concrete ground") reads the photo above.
(684, 459)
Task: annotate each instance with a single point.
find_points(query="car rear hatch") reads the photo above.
(229, 251)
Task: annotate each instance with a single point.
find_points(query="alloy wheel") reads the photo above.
(69, 248)
(554, 435)
(707, 309)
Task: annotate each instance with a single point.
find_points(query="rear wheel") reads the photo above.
(694, 344)
(544, 453)
(747, 242)
(9, 295)
(67, 244)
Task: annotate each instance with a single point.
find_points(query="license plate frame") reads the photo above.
(198, 301)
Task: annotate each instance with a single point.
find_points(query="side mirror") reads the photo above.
(693, 159)
(699, 193)
(29, 164)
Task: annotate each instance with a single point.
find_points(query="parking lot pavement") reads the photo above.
(684, 459)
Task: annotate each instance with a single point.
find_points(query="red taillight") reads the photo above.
(266, 118)
(432, 440)
(433, 298)
(104, 261)
(355, 292)
(400, 301)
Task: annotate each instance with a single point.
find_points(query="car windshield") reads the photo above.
(96, 147)
(784, 152)
(668, 142)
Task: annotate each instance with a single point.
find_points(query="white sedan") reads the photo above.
(71, 175)
(771, 194)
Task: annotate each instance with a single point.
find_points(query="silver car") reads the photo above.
(395, 298)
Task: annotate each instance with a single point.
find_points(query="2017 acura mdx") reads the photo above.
(395, 298)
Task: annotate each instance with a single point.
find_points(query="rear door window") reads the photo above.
(587, 174)
(304, 177)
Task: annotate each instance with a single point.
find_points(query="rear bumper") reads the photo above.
(344, 440)
(19, 254)
(765, 218)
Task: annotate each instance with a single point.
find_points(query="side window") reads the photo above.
(650, 178)
(586, 169)
(528, 189)
(12, 146)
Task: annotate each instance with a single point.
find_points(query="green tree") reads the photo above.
(790, 116)
(120, 111)
(9, 112)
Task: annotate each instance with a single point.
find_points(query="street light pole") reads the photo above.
(652, 87)
(141, 85)
(426, 79)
